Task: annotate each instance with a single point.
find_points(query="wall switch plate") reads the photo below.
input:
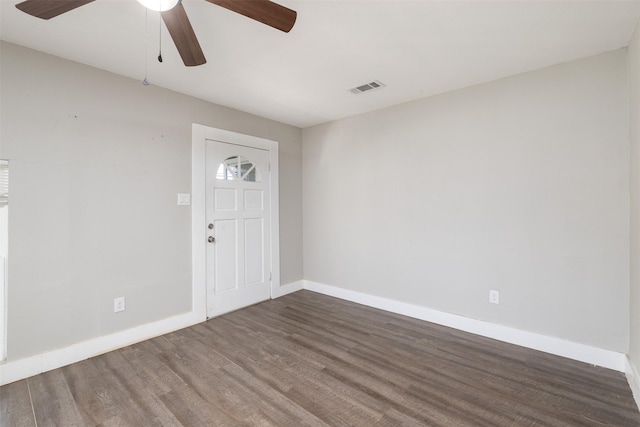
(118, 304)
(184, 199)
(494, 296)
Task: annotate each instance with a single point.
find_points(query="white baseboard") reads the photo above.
(576, 351)
(23, 368)
(634, 381)
(281, 291)
(11, 371)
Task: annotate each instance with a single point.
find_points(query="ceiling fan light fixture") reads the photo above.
(159, 5)
(176, 20)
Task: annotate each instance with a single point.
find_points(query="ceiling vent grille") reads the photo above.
(374, 85)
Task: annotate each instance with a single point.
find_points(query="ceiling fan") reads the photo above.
(176, 20)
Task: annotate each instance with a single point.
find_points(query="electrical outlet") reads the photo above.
(118, 304)
(494, 296)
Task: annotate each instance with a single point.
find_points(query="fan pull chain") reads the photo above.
(146, 46)
(160, 39)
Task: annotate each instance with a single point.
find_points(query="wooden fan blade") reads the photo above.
(47, 9)
(183, 36)
(265, 11)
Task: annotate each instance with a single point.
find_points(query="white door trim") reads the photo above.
(4, 251)
(200, 134)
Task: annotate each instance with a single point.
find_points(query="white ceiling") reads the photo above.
(417, 48)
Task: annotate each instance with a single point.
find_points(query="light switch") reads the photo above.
(184, 199)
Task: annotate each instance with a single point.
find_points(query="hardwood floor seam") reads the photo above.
(33, 410)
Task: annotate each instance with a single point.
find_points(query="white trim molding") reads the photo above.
(198, 221)
(200, 134)
(283, 290)
(16, 370)
(12, 371)
(559, 347)
(23, 368)
(634, 380)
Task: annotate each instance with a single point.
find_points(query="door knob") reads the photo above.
(211, 239)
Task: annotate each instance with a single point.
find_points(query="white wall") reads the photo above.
(96, 163)
(519, 185)
(634, 134)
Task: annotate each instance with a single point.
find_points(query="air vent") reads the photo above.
(374, 85)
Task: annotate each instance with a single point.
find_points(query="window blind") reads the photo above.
(4, 183)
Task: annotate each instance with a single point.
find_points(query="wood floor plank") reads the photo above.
(53, 403)
(152, 370)
(137, 395)
(95, 402)
(270, 406)
(15, 405)
(193, 409)
(310, 360)
(203, 381)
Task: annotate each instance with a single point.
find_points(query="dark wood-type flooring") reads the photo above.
(311, 360)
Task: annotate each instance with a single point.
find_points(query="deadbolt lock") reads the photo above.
(210, 226)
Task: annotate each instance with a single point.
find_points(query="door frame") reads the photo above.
(200, 134)
(4, 280)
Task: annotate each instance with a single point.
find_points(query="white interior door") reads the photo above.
(238, 226)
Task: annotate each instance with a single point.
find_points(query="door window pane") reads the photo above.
(237, 168)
